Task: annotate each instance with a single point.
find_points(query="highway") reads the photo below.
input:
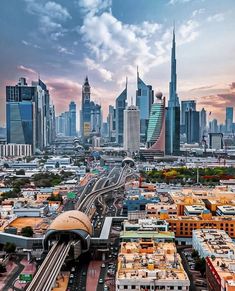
(46, 275)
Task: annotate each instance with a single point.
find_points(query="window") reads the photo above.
(125, 287)
(180, 288)
(133, 287)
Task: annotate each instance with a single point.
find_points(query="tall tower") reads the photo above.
(131, 139)
(173, 110)
(85, 113)
(144, 101)
(121, 102)
(229, 119)
(72, 115)
(156, 126)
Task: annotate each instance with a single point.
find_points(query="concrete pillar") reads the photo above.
(103, 256)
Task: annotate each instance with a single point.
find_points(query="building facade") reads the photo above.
(173, 110)
(144, 100)
(229, 119)
(192, 126)
(156, 125)
(131, 129)
(121, 103)
(85, 113)
(28, 116)
(73, 119)
(15, 150)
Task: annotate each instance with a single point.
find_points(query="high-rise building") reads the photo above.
(192, 126)
(72, 115)
(111, 123)
(131, 142)
(85, 113)
(203, 124)
(173, 110)
(213, 126)
(96, 118)
(229, 119)
(185, 106)
(216, 141)
(156, 125)
(121, 102)
(28, 114)
(144, 100)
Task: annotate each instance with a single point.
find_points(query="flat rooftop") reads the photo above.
(147, 259)
(214, 241)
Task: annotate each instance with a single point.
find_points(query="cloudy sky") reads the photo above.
(65, 40)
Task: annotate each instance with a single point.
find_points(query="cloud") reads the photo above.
(219, 17)
(112, 44)
(173, 2)
(64, 50)
(198, 12)
(93, 66)
(63, 91)
(26, 69)
(51, 15)
(232, 86)
(26, 43)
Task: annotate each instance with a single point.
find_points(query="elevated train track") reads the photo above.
(46, 275)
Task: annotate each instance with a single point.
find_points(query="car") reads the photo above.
(83, 273)
(103, 265)
(101, 281)
(71, 275)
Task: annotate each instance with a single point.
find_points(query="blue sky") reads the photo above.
(64, 40)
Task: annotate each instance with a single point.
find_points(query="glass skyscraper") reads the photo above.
(72, 115)
(85, 113)
(144, 100)
(121, 103)
(28, 117)
(156, 126)
(229, 119)
(173, 110)
(192, 126)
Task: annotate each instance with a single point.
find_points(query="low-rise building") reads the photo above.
(220, 274)
(213, 243)
(146, 228)
(225, 210)
(30, 211)
(194, 209)
(15, 150)
(147, 265)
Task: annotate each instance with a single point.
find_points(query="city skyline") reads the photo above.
(70, 49)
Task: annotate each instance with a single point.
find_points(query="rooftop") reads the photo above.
(147, 259)
(214, 241)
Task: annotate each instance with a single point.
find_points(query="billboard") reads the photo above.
(26, 277)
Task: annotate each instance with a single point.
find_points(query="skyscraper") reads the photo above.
(144, 100)
(229, 119)
(213, 126)
(173, 110)
(121, 102)
(185, 106)
(192, 126)
(131, 129)
(111, 123)
(72, 115)
(203, 124)
(28, 114)
(156, 125)
(96, 118)
(85, 113)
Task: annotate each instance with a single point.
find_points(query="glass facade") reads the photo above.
(20, 122)
(144, 100)
(121, 103)
(173, 110)
(72, 113)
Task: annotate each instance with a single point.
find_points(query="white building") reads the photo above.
(213, 242)
(131, 139)
(15, 150)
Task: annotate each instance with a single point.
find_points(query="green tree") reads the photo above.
(200, 265)
(195, 254)
(27, 231)
(9, 247)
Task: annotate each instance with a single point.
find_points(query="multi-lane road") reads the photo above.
(50, 268)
